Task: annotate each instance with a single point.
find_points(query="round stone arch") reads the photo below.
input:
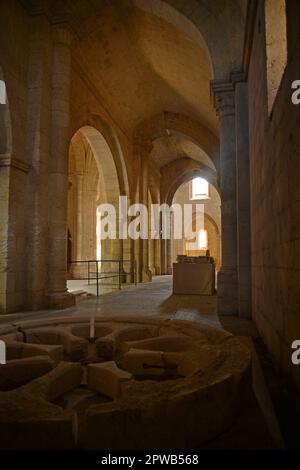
(191, 173)
(108, 175)
(108, 184)
(194, 170)
(111, 145)
(212, 223)
(166, 122)
(83, 177)
(188, 176)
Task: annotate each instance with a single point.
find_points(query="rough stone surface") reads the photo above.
(15, 373)
(160, 370)
(275, 172)
(106, 378)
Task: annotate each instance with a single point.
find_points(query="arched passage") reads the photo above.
(93, 180)
(209, 235)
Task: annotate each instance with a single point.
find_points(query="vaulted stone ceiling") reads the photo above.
(143, 65)
(147, 57)
(173, 147)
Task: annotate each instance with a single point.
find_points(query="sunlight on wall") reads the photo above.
(276, 46)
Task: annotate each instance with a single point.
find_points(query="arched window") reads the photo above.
(2, 92)
(276, 46)
(199, 189)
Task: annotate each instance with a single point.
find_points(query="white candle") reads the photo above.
(92, 328)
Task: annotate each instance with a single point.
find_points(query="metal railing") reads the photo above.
(98, 270)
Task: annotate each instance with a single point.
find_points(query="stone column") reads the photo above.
(58, 169)
(169, 256)
(157, 256)
(146, 274)
(243, 196)
(38, 123)
(227, 278)
(163, 254)
(79, 218)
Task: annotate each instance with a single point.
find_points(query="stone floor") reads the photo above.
(148, 299)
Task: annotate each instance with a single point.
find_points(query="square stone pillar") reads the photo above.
(243, 196)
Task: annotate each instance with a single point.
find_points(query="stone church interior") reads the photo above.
(149, 343)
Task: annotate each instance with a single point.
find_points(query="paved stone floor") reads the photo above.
(151, 298)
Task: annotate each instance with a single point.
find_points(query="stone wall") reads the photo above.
(14, 54)
(275, 196)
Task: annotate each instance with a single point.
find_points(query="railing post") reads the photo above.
(88, 273)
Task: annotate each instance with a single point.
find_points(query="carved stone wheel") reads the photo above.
(137, 383)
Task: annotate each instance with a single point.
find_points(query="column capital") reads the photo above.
(8, 160)
(62, 34)
(36, 7)
(223, 97)
(238, 77)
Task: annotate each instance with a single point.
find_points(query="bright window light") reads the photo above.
(200, 188)
(2, 92)
(202, 239)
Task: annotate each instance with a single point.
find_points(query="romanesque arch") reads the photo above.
(159, 125)
(93, 180)
(101, 134)
(211, 220)
(181, 171)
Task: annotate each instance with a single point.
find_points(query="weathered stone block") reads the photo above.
(21, 371)
(62, 379)
(141, 362)
(106, 378)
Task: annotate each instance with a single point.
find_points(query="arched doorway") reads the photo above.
(93, 181)
(197, 190)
